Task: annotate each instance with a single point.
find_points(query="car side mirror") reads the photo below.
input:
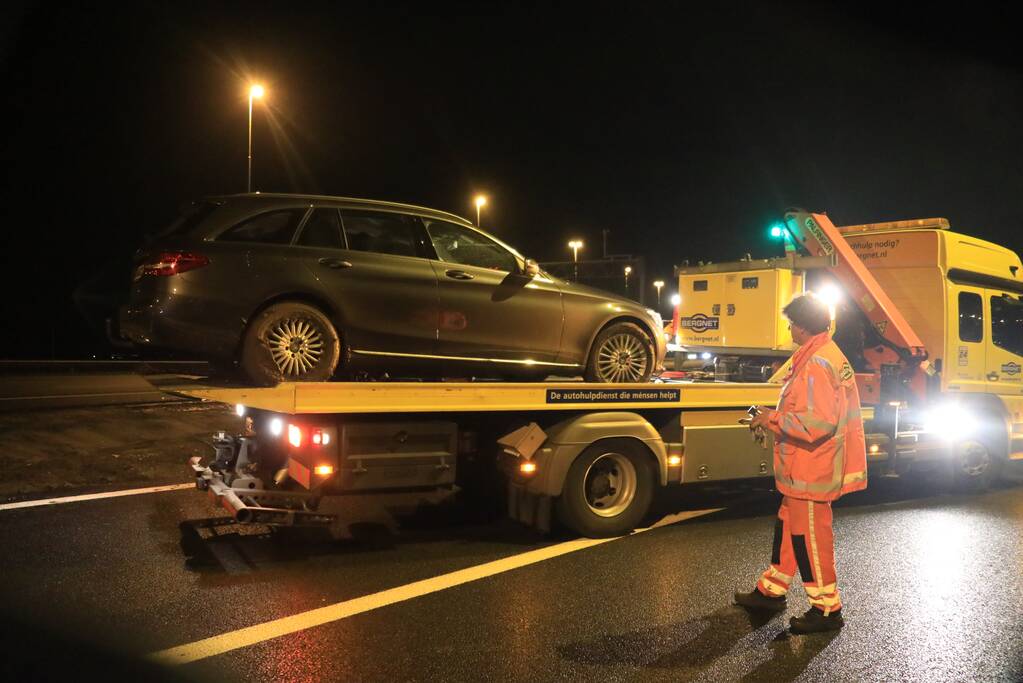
(532, 269)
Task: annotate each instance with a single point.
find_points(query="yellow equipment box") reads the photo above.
(735, 307)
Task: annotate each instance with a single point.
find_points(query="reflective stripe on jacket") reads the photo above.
(819, 450)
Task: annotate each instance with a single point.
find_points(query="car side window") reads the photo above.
(379, 232)
(971, 317)
(458, 244)
(323, 229)
(272, 227)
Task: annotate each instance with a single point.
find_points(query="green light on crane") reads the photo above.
(777, 231)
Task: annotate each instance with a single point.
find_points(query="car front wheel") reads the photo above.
(621, 353)
(290, 342)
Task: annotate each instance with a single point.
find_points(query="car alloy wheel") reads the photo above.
(622, 358)
(290, 341)
(296, 346)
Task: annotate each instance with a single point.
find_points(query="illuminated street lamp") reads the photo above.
(255, 92)
(575, 246)
(480, 201)
(628, 271)
(657, 285)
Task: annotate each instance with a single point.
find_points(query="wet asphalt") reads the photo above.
(931, 583)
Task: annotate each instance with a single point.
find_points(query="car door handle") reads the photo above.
(992, 376)
(459, 275)
(334, 263)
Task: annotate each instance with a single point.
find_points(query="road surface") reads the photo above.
(931, 581)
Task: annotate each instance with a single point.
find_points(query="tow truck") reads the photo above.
(931, 320)
(592, 455)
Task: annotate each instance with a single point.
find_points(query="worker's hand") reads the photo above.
(762, 418)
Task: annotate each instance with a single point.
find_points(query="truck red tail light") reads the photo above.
(320, 437)
(295, 436)
(171, 263)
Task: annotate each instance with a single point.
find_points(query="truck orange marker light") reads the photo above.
(324, 470)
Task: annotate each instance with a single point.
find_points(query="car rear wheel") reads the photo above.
(290, 342)
(621, 353)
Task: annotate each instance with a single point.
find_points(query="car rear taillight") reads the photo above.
(172, 263)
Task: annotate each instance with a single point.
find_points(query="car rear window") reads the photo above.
(190, 218)
(272, 227)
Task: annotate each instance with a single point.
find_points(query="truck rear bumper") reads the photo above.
(260, 506)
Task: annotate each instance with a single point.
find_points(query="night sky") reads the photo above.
(683, 130)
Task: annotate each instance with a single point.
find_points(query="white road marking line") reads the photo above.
(93, 496)
(251, 635)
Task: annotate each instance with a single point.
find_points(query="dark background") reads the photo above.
(684, 130)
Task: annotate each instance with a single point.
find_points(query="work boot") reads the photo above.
(758, 601)
(814, 621)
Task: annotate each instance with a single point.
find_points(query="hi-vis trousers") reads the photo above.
(803, 540)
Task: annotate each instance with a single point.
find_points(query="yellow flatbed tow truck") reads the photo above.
(937, 358)
(591, 453)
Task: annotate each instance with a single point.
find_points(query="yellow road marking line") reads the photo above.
(233, 640)
(93, 496)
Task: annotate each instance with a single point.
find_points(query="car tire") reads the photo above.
(621, 353)
(608, 489)
(290, 342)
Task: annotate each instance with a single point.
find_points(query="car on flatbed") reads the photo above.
(294, 287)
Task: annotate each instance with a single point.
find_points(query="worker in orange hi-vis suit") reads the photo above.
(819, 455)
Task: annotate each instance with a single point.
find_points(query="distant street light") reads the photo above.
(255, 92)
(657, 285)
(480, 202)
(575, 246)
(628, 271)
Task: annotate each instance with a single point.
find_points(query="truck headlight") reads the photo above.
(950, 421)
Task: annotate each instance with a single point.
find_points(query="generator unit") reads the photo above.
(734, 307)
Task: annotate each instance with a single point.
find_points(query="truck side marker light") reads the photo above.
(320, 437)
(294, 436)
(527, 467)
(276, 426)
(239, 410)
(874, 448)
(324, 470)
(674, 460)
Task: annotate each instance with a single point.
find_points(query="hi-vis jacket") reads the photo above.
(819, 449)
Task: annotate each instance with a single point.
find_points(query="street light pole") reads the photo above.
(255, 91)
(575, 246)
(658, 284)
(628, 271)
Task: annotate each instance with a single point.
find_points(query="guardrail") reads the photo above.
(88, 367)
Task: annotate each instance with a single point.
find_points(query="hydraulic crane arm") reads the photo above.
(813, 234)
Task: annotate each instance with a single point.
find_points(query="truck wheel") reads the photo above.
(290, 342)
(608, 489)
(974, 466)
(621, 353)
